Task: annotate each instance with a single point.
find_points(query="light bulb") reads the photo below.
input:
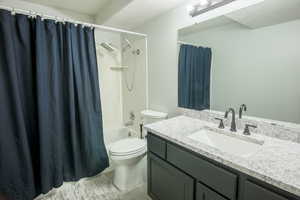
(190, 8)
(203, 2)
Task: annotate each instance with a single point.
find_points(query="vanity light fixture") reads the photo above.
(201, 6)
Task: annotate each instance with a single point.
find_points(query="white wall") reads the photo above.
(47, 10)
(162, 46)
(258, 67)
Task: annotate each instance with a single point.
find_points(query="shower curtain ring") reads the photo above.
(30, 14)
(13, 11)
(34, 14)
(42, 16)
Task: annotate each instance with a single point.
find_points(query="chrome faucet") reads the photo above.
(233, 124)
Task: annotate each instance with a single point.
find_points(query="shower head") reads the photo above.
(108, 47)
(127, 45)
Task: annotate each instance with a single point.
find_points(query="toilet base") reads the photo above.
(130, 173)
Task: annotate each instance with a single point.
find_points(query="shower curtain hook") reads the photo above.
(34, 14)
(30, 14)
(56, 19)
(42, 16)
(13, 11)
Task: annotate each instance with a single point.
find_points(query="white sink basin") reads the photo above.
(227, 143)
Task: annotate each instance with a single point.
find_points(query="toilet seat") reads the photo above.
(127, 148)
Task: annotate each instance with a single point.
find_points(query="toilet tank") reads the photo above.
(151, 116)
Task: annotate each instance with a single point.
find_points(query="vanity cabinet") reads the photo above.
(254, 191)
(157, 146)
(204, 193)
(175, 173)
(213, 176)
(167, 182)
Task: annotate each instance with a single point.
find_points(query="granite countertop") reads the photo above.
(277, 162)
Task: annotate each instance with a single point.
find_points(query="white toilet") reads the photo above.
(151, 116)
(128, 156)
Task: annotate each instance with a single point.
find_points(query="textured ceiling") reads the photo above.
(88, 7)
(130, 13)
(139, 11)
(267, 13)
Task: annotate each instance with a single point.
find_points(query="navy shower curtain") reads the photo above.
(50, 110)
(194, 77)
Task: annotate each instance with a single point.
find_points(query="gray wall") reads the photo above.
(258, 67)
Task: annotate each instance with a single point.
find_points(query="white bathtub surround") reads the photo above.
(134, 78)
(128, 157)
(272, 128)
(98, 187)
(110, 83)
(277, 162)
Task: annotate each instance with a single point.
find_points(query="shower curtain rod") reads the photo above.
(181, 42)
(56, 18)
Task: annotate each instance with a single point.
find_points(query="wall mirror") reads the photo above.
(250, 56)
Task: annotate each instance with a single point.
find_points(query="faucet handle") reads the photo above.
(243, 107)
(221, 125)
(247, 130)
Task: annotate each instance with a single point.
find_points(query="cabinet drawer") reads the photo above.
(223, 181)
(156, 145)
(165, 182)
(204, 193)
(254, 191)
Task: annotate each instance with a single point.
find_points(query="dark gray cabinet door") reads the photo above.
(166, 182)
(254, 191)
(156, 146)
(204, 193)
(221, 180)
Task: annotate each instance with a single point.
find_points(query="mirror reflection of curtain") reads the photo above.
(50, 119)
(194, 77)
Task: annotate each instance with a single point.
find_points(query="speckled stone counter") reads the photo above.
(276, 163)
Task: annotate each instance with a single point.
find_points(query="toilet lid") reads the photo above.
(154, 114)
(127, 146)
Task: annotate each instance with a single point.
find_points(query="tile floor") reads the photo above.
(96, 188)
